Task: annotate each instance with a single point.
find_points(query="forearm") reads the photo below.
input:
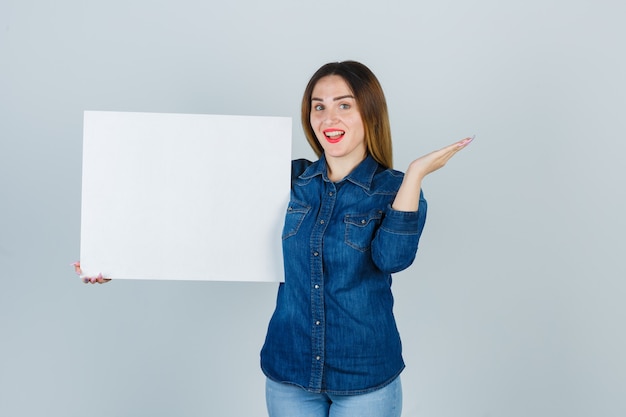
(408, 196)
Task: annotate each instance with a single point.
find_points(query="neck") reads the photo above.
(339, 168)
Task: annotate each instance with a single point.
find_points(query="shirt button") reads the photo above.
(363, 222)
(317, 358)
(317, 287)
(322, 222)
(317, 323)
(330, 194)
(316, 253)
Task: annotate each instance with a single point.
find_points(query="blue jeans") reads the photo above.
(286, 400)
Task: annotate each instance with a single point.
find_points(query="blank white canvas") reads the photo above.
(184, 196)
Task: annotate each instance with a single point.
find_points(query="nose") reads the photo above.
(331, 116)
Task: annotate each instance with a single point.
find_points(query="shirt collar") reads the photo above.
(362, 175)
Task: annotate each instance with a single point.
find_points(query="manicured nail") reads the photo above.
(467, 141)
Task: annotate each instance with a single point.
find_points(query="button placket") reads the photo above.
(317, 284)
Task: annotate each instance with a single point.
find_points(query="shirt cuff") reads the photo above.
(404, 222)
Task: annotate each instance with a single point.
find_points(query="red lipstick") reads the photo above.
(333, 135)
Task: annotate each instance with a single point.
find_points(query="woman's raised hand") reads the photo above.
(89, 280)
(407, 198)
(435, 160)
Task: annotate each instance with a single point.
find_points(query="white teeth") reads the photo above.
(334, 133)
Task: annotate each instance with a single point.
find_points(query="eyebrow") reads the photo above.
(334, 99)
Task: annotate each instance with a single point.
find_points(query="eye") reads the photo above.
(344, 106)
(318, 107)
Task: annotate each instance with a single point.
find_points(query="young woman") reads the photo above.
(332, 346)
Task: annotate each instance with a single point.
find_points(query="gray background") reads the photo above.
(514, 304)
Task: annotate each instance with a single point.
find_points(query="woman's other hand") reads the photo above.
(99, 279)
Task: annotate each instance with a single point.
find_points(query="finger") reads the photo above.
(463, 143)
(77, 269)
(445, 154)
(101, 280)
(98, 279)
(449, 151)
(93, 280)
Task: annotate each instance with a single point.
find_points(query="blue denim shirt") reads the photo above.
(333, 329)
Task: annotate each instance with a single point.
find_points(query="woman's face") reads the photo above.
(336, 120)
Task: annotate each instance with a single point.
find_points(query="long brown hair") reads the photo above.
(371, 102)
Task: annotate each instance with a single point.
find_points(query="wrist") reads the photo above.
(414, 174)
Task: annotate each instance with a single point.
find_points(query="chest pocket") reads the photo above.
(360, 229)
(296, 212)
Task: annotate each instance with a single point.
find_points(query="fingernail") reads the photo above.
(467, 141)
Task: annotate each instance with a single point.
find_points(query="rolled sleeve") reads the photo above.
(397, 238)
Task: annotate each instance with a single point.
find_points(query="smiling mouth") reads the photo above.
(334, 136)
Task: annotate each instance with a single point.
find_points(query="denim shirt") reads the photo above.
(333, 328)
